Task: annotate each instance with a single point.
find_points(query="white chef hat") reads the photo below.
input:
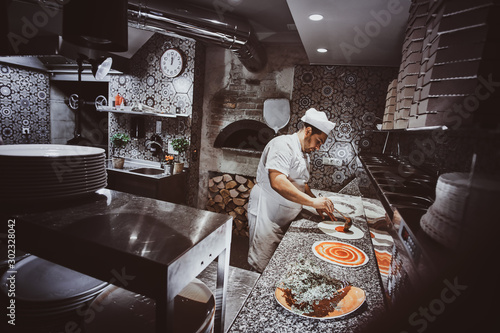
(319, 120)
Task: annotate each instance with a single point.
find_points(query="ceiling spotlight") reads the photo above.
(322, 50)
(316, 17)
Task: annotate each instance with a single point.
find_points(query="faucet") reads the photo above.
(155, 141)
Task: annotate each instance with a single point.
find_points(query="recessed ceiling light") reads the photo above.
(322, 50)
(316, 17)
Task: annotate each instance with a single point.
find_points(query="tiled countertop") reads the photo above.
(262, 313)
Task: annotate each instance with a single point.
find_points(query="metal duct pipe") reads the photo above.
(200, 24)
(182, 20)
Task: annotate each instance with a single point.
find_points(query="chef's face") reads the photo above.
(313, 142)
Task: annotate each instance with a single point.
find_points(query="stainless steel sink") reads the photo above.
(148, 171)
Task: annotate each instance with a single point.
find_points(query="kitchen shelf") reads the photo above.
(425, 128)
(141, 113)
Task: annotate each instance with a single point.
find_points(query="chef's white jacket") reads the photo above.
(269, 213)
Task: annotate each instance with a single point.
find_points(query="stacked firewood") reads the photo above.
(228, 194)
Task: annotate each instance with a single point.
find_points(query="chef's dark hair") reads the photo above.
(315, 130)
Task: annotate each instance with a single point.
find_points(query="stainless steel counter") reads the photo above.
(148, 246)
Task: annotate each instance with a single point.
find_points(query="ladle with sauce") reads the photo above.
(348, 221)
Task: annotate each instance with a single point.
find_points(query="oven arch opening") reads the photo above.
(249, 135)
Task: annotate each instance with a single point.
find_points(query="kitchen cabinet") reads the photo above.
(171, 188)
(128, 110)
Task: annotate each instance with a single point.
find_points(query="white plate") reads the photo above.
(52, 178)
(37, 164)
(39, 189)
(329, 229)
(48, 150)
(44, 160)
(20, 197)
(38, 280)
(346, 255)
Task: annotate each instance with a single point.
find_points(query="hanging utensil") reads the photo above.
(77, 138)
(73, 101)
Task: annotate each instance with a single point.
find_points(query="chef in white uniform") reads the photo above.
(281, 186)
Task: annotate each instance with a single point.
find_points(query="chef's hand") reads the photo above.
(323, 205)
(323, 213)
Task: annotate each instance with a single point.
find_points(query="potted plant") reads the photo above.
(168, 164)
(180, 145)
(118, 141)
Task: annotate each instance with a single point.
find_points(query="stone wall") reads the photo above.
(232, 93)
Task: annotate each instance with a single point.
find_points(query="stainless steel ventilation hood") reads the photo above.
(28, 35)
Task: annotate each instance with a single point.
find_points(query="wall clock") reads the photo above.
(172, 62)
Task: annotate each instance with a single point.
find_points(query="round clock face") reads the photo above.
(172, 62)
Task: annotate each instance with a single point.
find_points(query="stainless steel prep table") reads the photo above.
(262, 313)
(148, 246)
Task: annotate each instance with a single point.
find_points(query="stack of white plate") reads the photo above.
(46, 172)
(460, 202)
(47, 295)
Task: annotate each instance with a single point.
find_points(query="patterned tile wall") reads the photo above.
(24, 103)
(148, 85)
(353, 98)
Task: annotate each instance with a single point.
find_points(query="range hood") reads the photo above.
(34, 29)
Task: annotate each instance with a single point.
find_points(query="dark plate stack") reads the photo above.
(47, 296)
(46, 172)
(128, 312)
